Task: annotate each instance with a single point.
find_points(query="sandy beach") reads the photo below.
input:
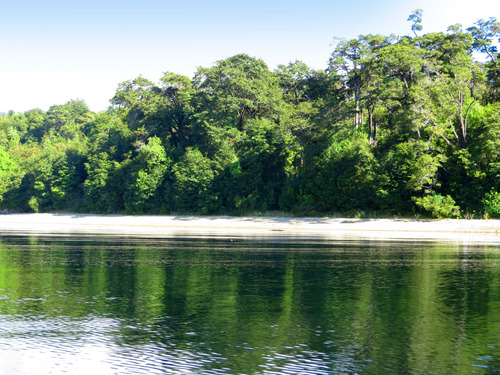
(226, 226)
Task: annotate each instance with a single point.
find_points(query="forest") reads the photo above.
(393, 126)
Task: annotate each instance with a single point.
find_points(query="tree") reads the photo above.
(192, 176)
(265, 159)
(177, 110)
(343, 177)
(148, 170)
(36, 120)
(416, 20)
(52, 175)
(107, 132)
(161, 110)
(375, 85)
(356, 61)
(8, 173)
(444, 98)
(99, 169)
(67, 120)
(346, 60)
(293, 80)
(484, 34)
(239, 88)
(138, 101)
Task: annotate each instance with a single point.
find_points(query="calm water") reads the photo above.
(81, 305)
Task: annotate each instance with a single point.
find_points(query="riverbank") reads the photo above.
(226, 226)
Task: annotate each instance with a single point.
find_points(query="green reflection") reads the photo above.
(365, 307)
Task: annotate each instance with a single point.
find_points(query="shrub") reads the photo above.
(438, 206)
(491, 204)
(34, 204)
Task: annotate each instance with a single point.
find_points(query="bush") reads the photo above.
(34, 204)
(438, 206)
(491, 204)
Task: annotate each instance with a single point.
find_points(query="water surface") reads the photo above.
(247, 306)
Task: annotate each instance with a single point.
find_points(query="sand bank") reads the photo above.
(327, 228)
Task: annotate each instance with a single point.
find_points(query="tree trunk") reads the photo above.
(372, 128)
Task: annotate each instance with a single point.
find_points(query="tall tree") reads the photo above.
(347, 61)
(68, 120)
(177, 109)
(451, 87)
(485, 34)
(239, 88)
(416, 20)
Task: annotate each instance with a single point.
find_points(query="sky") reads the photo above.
(53, 51)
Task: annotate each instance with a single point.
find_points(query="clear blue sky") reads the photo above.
(52, 51)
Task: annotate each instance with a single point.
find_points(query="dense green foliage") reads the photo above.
(394, 125)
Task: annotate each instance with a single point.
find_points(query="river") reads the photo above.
(114, 305)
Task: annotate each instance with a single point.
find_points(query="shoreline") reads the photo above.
(487, 231)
